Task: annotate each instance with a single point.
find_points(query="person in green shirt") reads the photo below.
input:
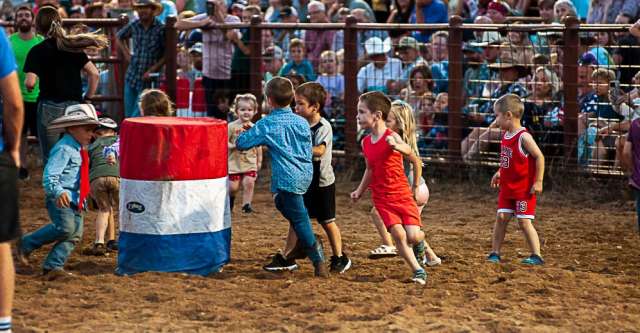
(21, 42)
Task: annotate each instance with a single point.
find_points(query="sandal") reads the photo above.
(383, 251)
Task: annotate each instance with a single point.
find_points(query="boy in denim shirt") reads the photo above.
(289, 140)
(66, 186)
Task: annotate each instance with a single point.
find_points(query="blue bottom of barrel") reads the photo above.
(197, 253)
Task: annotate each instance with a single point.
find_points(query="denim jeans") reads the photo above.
(131, 101)
(292, 207)
(65, 230)
(49, 111)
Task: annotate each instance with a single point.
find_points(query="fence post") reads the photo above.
(456, 100)
(350, 88)
(255, 59)
(121, 67)
(570, 86)
(171, 54)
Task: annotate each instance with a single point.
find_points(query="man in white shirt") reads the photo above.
(382, 73)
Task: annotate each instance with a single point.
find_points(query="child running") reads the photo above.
(105, 187)
(289, 141)
(392, 197)
(66, 186)
(243, 164)
(401, 121)
(320, 198)
(519, 178)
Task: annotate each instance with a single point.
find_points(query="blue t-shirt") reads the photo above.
(435, 12)
(7, 66)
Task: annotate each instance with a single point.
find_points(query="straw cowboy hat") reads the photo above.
(375, 45)
(76, 115)
(506, 62)
(157, 7)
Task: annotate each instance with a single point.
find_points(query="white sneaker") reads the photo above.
(436, 262)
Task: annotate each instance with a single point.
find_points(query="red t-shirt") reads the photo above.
(517, 167)
(388, 176)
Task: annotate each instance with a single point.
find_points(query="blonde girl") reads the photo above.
(330, 79)
(154, 102)
(243, 165)
(401, 121)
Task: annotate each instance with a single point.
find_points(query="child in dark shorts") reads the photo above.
(320, 198)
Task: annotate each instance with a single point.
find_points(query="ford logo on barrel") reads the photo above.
(135, 207)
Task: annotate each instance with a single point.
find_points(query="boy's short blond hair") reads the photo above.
(510, 103)
(280, 91)
(296, 42)
(603, 73)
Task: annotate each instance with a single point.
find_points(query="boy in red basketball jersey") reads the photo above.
(519, 178)
(392, 196)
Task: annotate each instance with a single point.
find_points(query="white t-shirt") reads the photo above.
(371, 78)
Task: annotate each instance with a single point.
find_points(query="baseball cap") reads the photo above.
(588, 58)
(288, 11)
(197, 48)
(273, 52)
(468, 47)
(408, 43)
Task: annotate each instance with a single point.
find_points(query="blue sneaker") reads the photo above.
(419, 277)
(494, 258)
(533, 260)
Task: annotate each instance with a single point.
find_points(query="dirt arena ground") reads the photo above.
(590, 282)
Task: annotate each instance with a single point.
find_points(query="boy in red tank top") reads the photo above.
(393, 198)
(519, 178)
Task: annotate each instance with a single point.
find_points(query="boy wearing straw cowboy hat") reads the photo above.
(148, 36)
(66, 186)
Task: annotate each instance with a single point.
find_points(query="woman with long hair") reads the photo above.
(58, 62)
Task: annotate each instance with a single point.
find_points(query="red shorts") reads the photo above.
(522, 209)
(395, 211)
(238, 176)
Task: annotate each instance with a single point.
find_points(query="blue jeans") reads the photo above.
(65, 230)
(292, 207)
(49, 111)
(131, 101)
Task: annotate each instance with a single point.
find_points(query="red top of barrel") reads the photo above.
(173, 148)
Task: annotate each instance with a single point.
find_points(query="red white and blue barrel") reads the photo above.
(174, 209)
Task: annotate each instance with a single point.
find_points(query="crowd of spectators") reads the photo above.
(409, 65)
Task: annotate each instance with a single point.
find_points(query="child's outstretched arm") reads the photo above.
(397, 144)
(252, 137)
(531, 147)
(364, 183)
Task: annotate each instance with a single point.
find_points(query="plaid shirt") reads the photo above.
(148, 48)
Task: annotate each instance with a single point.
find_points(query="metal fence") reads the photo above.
(454, 122)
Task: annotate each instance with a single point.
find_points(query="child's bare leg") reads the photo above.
(234, 187)
(601, 153)
(102, 220)
(335, 238)
(248, 184)
(499, 231)
(531, 235)
(111, 228)
(422, 197)
(382, 230)
(415, 235)
(292, 239)
(399, 235)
